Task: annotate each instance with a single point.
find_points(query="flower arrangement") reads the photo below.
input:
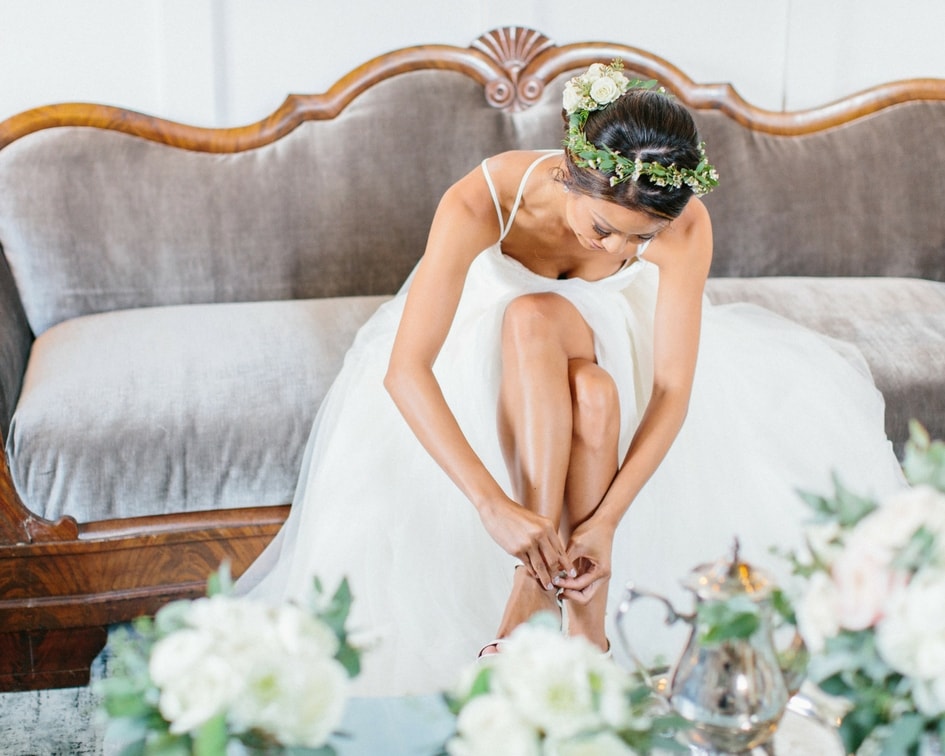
(597, 88)
(872, 611)
(546, 693)
(206, 675)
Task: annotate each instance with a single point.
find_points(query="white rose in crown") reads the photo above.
(572, 99)
(605, 90)
(594, 72)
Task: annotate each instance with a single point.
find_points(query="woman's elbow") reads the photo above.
(394, 380)
(674, 396)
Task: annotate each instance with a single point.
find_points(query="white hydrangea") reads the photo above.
(487, 726)
(197, 683)
(598, 744)
(267, 668)
(817, 617)
(911, 637)
(548, 694)
(545, 677)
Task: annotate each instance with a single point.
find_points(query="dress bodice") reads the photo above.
(524, 275)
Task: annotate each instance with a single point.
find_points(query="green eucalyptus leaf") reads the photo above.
(903, 735)
(349, 658)
(166, 744)
(211, 738)
(917, 552)
(482, 682)
(220, 583)
(856, 726)
(783, 607)
(734, 618)
(335, 614)
(850, 507)
(924, 460)
(135, 748)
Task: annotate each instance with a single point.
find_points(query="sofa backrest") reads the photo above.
(99, 215)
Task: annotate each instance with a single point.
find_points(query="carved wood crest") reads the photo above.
(512, 49)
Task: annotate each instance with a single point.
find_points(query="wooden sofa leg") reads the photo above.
(61, 658)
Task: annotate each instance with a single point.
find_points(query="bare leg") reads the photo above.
(541, 334)
(591, 468)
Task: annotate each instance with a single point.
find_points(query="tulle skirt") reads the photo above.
(775, 409)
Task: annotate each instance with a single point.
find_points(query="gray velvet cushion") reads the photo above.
(93, 221)
(160, 410)
(15, 340)
(863, 199)
(898, 324)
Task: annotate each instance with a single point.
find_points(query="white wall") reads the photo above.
(231, 62)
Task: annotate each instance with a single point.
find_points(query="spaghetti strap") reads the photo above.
(495, 199)
(506, 226)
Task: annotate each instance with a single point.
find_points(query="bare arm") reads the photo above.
(683, 258)
(465, 223)
(684, 267)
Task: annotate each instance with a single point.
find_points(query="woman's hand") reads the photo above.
(590, 551)
(529, 537)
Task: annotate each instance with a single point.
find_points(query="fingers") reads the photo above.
(585, 586)
(583, 579)
(545, 561)
(547, 557)
(585, 596)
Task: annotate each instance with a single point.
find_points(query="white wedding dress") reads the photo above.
(775, 408)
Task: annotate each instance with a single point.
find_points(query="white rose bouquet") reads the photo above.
(872, 611)
(222, 670)
(546, 694)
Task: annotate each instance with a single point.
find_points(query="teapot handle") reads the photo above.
(631, 594)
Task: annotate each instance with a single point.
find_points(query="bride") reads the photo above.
(549, 402)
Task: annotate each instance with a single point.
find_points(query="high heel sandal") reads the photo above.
(484, 657)
(497, 642)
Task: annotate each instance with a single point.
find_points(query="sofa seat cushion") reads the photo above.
(897, 323)
(167, 409)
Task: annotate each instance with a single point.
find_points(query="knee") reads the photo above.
(530, 317)
(595, 404)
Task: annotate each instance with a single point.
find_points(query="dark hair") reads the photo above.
(645, 124)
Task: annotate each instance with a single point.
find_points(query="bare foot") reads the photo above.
(527, 599)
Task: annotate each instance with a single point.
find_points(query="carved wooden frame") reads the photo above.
(62, 583)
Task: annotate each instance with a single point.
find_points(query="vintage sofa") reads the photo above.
(174, 301)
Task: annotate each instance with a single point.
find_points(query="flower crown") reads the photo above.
(597, 88)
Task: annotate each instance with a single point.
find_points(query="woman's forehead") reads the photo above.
(614, 217)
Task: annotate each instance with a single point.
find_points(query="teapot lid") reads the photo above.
(727, 578)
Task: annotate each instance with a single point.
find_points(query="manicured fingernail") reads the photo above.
(573, 572)
(556, 580)
(549, 587)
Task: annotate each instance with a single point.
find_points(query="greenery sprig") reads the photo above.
(594, 90)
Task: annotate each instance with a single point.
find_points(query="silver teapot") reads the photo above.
(730, 687)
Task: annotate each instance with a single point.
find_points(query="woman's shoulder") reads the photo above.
(687, 242)
(496, 178)
(509, 167)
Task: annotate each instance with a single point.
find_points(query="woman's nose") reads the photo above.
(615, 244)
